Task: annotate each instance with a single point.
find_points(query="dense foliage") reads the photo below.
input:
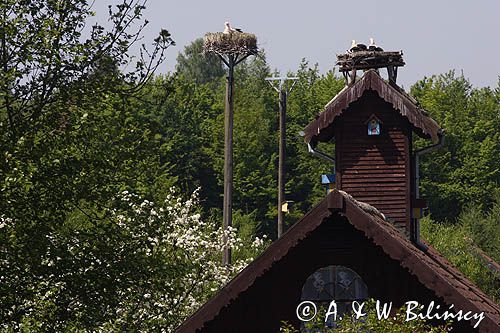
(467, 170)
(145, 266)
(471, 244)
(91, 236)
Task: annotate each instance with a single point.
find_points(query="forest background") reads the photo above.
(99, 227)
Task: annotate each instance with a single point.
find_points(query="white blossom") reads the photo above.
(181, 251)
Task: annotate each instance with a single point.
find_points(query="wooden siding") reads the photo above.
(375, 169)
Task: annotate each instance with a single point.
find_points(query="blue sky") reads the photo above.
(435, 36)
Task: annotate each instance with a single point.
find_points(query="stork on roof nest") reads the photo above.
(357, 47)
(373, 46)
(361, 57)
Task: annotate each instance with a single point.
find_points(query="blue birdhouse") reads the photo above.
(373, 124)
(328, 181)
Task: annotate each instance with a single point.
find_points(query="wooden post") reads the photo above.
(281, 166)
(283, 93)
(228, 157)
(231, 52)
(392, 73)
(227, 207)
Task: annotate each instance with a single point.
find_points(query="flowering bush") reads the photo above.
(140, 267)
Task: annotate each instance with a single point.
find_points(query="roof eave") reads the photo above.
(426, 266)
(371, 80)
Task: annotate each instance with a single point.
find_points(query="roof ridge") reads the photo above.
(406, 105)
(429, 268)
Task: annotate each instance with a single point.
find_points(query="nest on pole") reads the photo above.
(237, 43)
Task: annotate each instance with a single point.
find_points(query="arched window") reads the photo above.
(337, 283)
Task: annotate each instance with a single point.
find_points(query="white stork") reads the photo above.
(228, 29)
(356, 47)
(374, 47)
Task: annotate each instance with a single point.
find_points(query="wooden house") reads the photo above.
(361, 241)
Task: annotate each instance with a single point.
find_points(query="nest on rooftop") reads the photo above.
(235, 43)
(369, 59)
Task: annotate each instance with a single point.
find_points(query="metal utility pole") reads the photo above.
(283, 93)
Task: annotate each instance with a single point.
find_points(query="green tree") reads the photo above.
(45, 59)
(182, 114)
(198, 66)
(466, 169)
(311, 93)
(70, 141)
(463, 244)
(255, 140)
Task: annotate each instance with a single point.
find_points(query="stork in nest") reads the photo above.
(357, 47)
(374, 47)
(228, 29)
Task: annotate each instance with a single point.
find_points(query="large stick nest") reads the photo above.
(369, 59)
(234, 42)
